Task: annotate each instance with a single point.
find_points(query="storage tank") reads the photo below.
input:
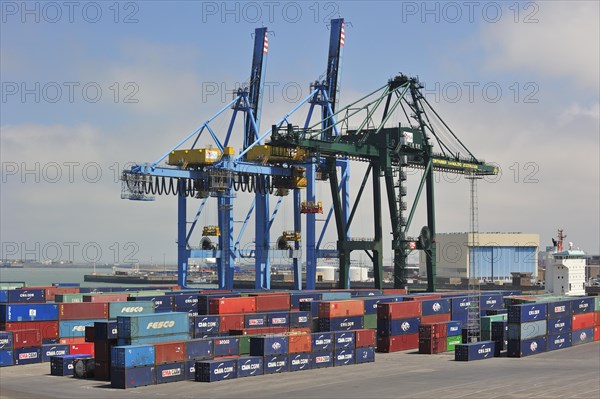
(330, 273)
(358, 273)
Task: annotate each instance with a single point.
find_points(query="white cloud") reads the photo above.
(564, 42)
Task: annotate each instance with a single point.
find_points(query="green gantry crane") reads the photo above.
(389, 151)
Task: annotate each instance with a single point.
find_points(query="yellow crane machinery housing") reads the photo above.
(291, 235)
(211, 231)
(268, 153)
(311, 207)
(197, 157)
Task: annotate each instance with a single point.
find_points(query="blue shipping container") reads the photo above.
(276, 364)
(132, 377)
(132, 356)
(527, 347)
(365, 355)
(6, 358)
(147, 325)
(269, 345)
(228, 346)
(63, 365)
(199, 349)
(334, 296)
(583, 336)
(300, 361)
(560, 309)
(37, 295)
(386, 328)
(341, 323)
(459, 305)
(205, 324)
(3, 296)
(28, 312)
(300, 319)
(105, 330)
(250, 365)
(559, 341)
(153, 339)
(453, 328)
(66, 284)
(185, 301)
(296, 298)
(254, 320)
(127, 308)
(344, 339)
(435, 306)
(54, 350)
(526, 312)
(487, 301)
(74, 328)
(474, 351)
(170, 372)
(312, 307)
(27, 355)
(322, 341)
(322, 359)
(6, 340)
(560, 325)
(344, 357)
(190, 370)
(278, 319)
(583, 305)
(161, 302)
(216, 370)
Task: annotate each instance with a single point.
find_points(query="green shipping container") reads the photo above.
(145, 293)
(452, 342)
(486, 322)
(11, 285)
(370, 321)
(597, 304)
(245, 343)
(68, 298)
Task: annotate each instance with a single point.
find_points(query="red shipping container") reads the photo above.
(48, 329)
(82, 349)
(72, 341)
(105, 298)
(232, 305)
(398, 343)
(231, 322)
(422, 297)
(394, 291)
(583, 320)
(301, 329)
(51, 291)
(364, 337)
(300, 343)
(398, 310)
(431, 346)
(169, 352)
(343, 308)
(596, 333)
(82, 311)
(26, 338)
(258, 330)
(436, 318)
(597, 319)
(433, 330)
(272, 301)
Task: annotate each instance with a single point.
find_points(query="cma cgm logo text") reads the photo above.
(322, 359)
(132, 309)
(30, 355)
(171, 372)
(156, 325)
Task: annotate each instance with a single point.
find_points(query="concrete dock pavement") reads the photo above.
(566, 373)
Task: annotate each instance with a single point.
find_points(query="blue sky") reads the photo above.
(542, 130)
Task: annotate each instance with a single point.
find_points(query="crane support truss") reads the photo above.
(389, 152)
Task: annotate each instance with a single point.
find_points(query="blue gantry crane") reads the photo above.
(217, 172)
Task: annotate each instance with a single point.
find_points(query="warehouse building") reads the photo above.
(495, 256)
